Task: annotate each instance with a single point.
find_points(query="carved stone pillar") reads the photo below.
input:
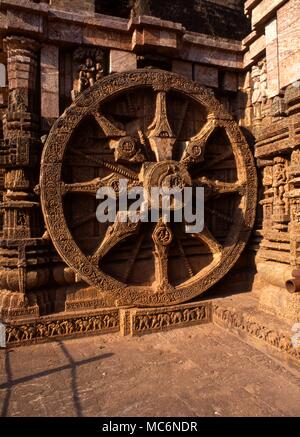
(20, 248)
(278, 256)
(267, 202)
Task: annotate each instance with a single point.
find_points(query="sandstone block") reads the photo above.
(49, 81)
(183, 68)
(207, 76)
(121, 61)
(230, 81)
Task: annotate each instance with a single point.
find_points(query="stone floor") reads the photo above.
(197, 371)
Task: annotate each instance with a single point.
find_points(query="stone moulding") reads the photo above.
(128, 321)
(109, 32)
(51, 328)
(137, 322)
(146, 321)
(246, 324)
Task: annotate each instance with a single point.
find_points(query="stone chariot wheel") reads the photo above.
(151, 128)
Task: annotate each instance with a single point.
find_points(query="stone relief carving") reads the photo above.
(278, 143)
(276, 204)
(164, 320)
(294, 192)
(281, 210)
(91, 68)
(259, 91)
(268, 196)
(232, 319)
(278, 108)
(281, 188)
(105, 322)
(170, 153)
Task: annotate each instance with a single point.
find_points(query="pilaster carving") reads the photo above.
(280, 187)
(294, 199)
(259, 89)
(268, 199)
(20, 151)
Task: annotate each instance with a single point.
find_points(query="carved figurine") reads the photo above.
(91, 68)
(86, 75)
(260, 91)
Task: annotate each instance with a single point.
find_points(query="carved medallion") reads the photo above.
(152, 128)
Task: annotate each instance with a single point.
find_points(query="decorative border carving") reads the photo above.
(104, 322)
(245, 323)
(145, 322)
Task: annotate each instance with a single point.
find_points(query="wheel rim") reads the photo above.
(135, 144)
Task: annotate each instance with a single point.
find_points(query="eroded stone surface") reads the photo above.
(58, 51)
(197, 371)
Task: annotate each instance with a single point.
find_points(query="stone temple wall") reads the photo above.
(271, 93)
(218, 17)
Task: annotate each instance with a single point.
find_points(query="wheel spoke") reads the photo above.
(162, 237)
(160, 134)
(185, 259)
(133, 257)
(209, 240)
(220, 187)
(115, 233)
(108, 127)
(92, 187)
(194, 150)
(128, 149)
(119, 169)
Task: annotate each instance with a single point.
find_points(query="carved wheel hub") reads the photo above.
(166, 175)
(154, 129)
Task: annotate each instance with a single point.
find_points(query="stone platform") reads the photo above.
(237, 313)
(196, 371)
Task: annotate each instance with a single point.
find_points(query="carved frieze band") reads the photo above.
(146, 321)
(247, 324)
(105, 322)
(134, 322)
